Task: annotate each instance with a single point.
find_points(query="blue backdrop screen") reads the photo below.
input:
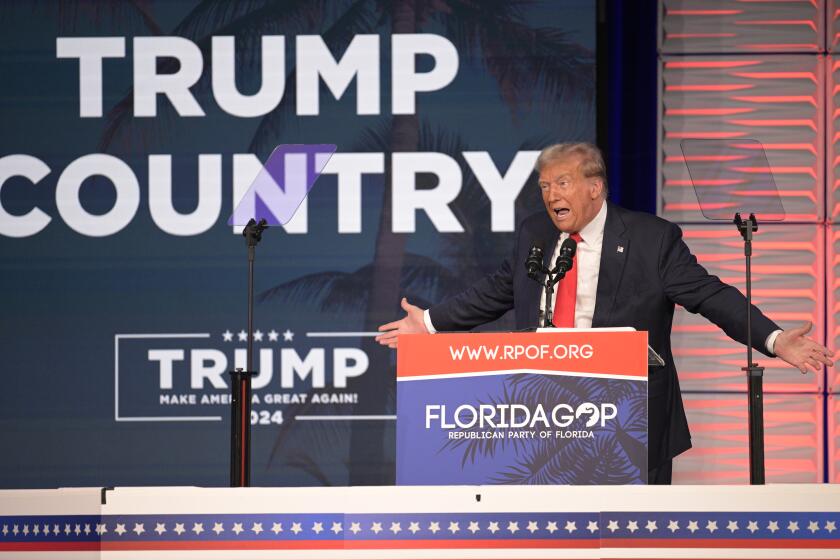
(130, 130)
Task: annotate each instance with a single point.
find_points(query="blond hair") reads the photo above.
(591, 163)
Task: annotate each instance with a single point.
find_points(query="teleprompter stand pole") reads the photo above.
(240, 425)
(755, 374)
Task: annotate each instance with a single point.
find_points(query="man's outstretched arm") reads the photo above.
(687, 283)
(412, 323)
(487, 300)
(802, 351)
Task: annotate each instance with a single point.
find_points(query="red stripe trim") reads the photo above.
(49, 546)
(720, 543)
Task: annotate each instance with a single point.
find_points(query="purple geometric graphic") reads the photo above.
(282, 184)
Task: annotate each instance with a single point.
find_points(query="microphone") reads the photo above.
(567, 253)
(534, 263)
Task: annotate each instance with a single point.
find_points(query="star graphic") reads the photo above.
(237, 528)
(227, 336)
(198, 528)
(813, 526)
(36, 529)
(257, 528)
(272, 335)
(395, 527)
(355, 527)
(773, 526)
(376, 527)
(533, 527)
(454, 527)
(160, 528)
(87, 529)
(732, 526)
(571, 526)
(15, 530)
(711, 526)
(336, 528)
(218, 528)
(830, 527)
(612, 525)
(513, 527)
(752, 526)
(413, 527)
(473, 528)
(243, 336)
(258, 335)
(551, 526)
(139, 529)
(78, 528)
(26, 530)
(793, 526)
(651, 525)
(434, 527)
(592, 526)
(5, 530)
(317, 527)
(632, 526)
(673, 526)
(66, 529)
(296, 528)
(276, 528)
(56, 529)
(101, 529)
(493, 526)
(120, 530)
(179, 528)
(692, 526)
(288, 335)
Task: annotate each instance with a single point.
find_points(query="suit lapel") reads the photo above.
(614, 250)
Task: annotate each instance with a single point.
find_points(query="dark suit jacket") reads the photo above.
(637, 287)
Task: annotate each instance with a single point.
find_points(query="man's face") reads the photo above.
(571, 199)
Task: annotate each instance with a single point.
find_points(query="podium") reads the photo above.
(557, 407)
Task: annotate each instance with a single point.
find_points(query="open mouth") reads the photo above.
(560, 213)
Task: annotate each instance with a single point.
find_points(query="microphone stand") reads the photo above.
(548, 291)
(755, 373)
(240, 425)
(552, 277)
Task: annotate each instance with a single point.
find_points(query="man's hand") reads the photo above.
(801, 351)
(411, 323)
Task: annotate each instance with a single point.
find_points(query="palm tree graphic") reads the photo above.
(616, 454)
(531, 66)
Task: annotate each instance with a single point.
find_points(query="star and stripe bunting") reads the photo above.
(584, 530)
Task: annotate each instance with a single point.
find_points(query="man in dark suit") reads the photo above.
(630, 269)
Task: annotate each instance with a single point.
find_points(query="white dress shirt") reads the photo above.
(588, 262)
(588, 258)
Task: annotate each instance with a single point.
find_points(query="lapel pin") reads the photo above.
(619, 249)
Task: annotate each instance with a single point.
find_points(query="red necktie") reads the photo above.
(564, 305)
